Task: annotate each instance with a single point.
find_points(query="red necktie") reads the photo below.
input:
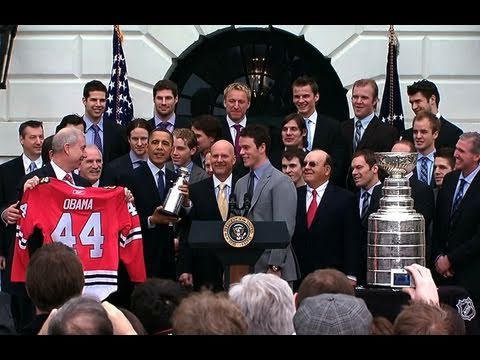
(68, 178)
(312, 209)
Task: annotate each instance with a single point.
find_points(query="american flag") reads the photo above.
(391, 111)
(119, 105)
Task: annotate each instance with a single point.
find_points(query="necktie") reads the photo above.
(96, 137)
(365, 203)
(68, 178)
(238, 128)
(136, 163)
(308, 122)
(424, 170)
(459, 196)
(312, 209)
(358, 134)
(32, 167)
(251, 184)
(222, 201)
(163, 125)
(161, 186)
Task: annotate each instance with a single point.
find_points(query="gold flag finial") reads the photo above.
(119, 33)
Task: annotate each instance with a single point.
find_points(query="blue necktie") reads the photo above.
(251, 184)
(459, 196)
(365, 203)
(161, 186)
(424, 170)
(163, 125)
(358, 134)
(96, 137)
(32, 167)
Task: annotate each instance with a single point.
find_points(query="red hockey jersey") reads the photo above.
(89, 220)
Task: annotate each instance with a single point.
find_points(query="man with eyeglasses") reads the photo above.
(137, 134)
(327, 221)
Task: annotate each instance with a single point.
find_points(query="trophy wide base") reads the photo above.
(169, 213)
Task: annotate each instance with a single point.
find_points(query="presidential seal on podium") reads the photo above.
(238, 231)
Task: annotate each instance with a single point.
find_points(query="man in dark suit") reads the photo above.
(365, 175)
(423, 95)
(323, 132)
(137, 135)
(365, 130)
(165, 98)
(201, 267)
(327, 222)
(11, 173)
(109, 137)
(207, 130)
(150, 183)
(456, 233)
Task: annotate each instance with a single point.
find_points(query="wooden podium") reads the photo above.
(238, 261)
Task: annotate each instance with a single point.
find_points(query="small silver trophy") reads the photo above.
(396, 233)
(174, 199)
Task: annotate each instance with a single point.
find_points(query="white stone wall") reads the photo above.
(51, 63)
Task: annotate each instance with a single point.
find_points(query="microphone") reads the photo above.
(247, 201)
(232, 205)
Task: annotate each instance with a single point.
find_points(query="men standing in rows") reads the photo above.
(109, 137)
(137, 135)
(150, 183)
(423, 95)
(207, 131)
(425, 131)
(165, 98)
(210, 197)
(272, 197)
(327, 221)
(184, 147)
(365, 130)
(91, 166)
(11, 173)
(323, 132)
(456, 234)
(365, 175)
(236, 99)
(292, 165)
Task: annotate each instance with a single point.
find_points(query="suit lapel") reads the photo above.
(301, 206)
(369, 132)
(261, 184)
(467, 197)
(323, 205)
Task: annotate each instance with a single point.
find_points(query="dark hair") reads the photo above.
(154, 301)
(138, 123)
(324, 281)
(160, 130)
(54, 275)
(165, 84)
(368, 155)
(289, 154)
(71, 119)
(259, 134)
(300, 123)
(29, 123)
(426, 88)
(444, 152)
(306, 80)
(408, 143)
(46, 147)
(209, 124)
(93, 85)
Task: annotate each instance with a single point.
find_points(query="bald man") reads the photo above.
(200, 267)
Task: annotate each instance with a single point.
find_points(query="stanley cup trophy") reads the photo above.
(396, 233)
(174, 199)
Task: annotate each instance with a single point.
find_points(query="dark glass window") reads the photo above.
(268, 60)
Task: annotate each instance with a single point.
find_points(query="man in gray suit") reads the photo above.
(184, 147)
(273, 198)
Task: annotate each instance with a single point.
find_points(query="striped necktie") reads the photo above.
(424, 170)
(32, 167)
(222, 200)
(358, 134)
(365, 203)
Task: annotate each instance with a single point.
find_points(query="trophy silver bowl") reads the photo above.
(174, 199)
(396, 164)
(396, 233)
